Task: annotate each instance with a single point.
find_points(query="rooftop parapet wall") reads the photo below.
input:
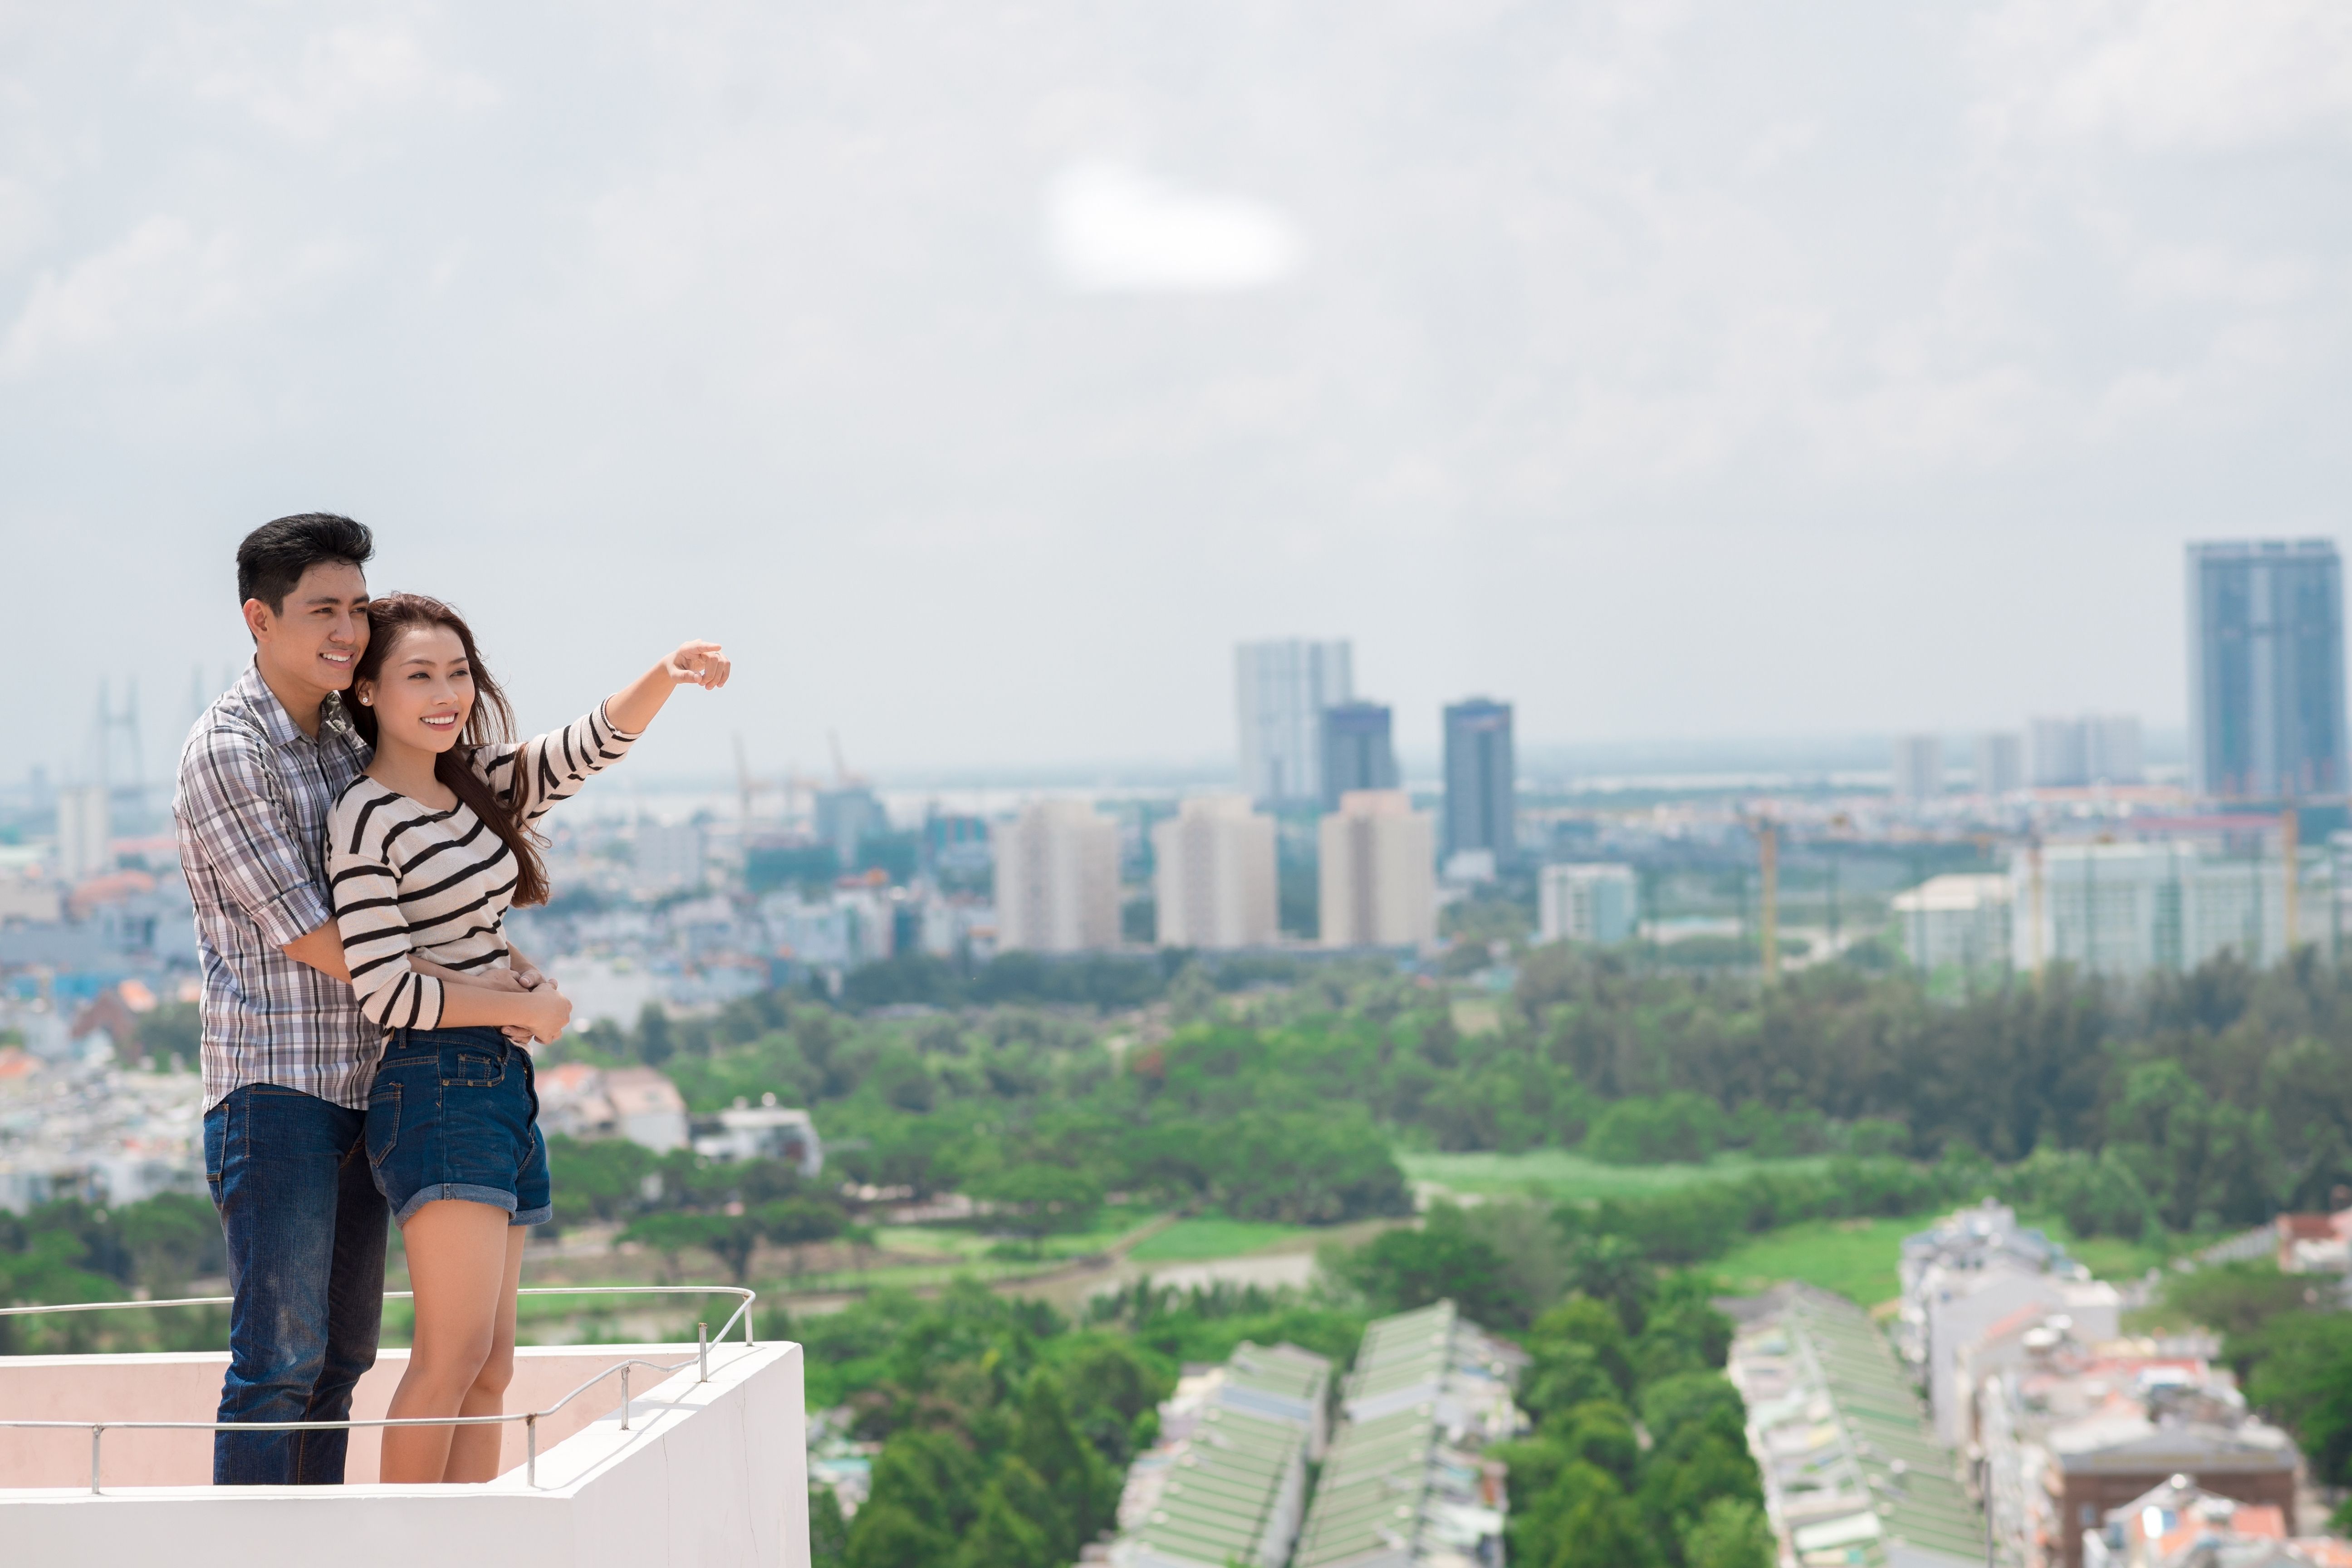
(710, 1474)
(186, 1387)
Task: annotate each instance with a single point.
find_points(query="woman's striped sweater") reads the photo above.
(410, 879)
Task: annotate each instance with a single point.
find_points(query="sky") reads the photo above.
(980, 374)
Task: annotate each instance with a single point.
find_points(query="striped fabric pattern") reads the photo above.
(409, 879)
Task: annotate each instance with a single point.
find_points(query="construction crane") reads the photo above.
(842, 777)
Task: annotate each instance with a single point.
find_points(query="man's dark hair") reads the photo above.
(274, 556)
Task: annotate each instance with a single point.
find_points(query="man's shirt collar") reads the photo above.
(277, 723)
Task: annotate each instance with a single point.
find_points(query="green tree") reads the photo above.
(1034, 1201)
(1598, 1432)
(1729, 1533)
(172, 1239)
(889, 1535)
(607, 1175)
(670, 1234)
(2303, 1379)
(1084, 1494)
(1582, 1520)
(654, 1043)
(828, 1532)
(1594, 1325)
(1020, 1523)
(1439, 1260)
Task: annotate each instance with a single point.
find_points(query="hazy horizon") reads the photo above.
(1667, 368)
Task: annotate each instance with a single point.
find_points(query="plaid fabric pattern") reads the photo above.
(251, 809)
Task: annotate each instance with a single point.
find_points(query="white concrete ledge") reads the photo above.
(709, 1475)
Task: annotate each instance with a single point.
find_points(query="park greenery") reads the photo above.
(1295, 1092)
(2189, 1103)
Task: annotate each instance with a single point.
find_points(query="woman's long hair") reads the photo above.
(490, 723)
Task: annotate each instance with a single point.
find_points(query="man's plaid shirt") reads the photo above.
(251, 807)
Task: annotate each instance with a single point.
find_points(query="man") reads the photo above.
(286, 1055)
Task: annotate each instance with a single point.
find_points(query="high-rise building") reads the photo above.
(2111, 749)
(85, 833)
(1214, 874)
(2123, 910)
(1999, 759)
(2091, 749)
(1596, 904)
(2266, 670)
(847, 817)
(1959, 920)
(1358, 752)
(1056, 879)
(2057, 753)
(1481, 781)
(1919, 768)
(1280, 690)
(667, 857)
(1377, 884)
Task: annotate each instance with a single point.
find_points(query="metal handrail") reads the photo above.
(530, 1418)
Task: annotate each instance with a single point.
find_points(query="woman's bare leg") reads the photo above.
(457, 1266)
(473, 1450)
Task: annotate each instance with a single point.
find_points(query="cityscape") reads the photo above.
(1292, 787)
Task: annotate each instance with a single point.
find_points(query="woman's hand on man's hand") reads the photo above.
(526, 979)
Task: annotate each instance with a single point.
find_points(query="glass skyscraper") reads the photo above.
(2266, 670)
(1481, 780)
(1280, 690)
(1358, 750)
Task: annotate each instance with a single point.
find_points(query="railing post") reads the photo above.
(530, 1449)
(747, 1324)
(702, 1350)
(624, 1396)
(97, 1434)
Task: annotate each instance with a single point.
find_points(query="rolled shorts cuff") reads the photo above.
(469, 1193)
(539, 1215)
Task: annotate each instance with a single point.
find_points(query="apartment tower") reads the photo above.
(1378, 883)
(1481, 781)
(1358, 750)
(1214, 874)
(1056, 879)
(2266, 670)
(1280, 690)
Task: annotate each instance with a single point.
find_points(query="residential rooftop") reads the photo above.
(1853, 1472)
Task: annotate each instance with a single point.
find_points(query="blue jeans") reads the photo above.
(453, 1113)
(306, 1233)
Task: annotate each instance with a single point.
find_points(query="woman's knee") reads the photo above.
(456, 1358)
(498, 1371)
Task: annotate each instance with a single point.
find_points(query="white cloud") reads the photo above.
(1112, 228)
(336, 75)
(2181, 74)
(162, 276)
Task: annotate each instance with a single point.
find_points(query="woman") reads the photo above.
(425, 851)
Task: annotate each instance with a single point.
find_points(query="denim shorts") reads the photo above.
(454, 1115)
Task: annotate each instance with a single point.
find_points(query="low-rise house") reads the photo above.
(2075, 1428)
(572, 1102)
(1853, 1470)
(1972, 1272)
(646, 1108)
(2180, 1524)
(765, 1132)
(2314, 1243)
(1226, 1482)
(1407, 1484)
